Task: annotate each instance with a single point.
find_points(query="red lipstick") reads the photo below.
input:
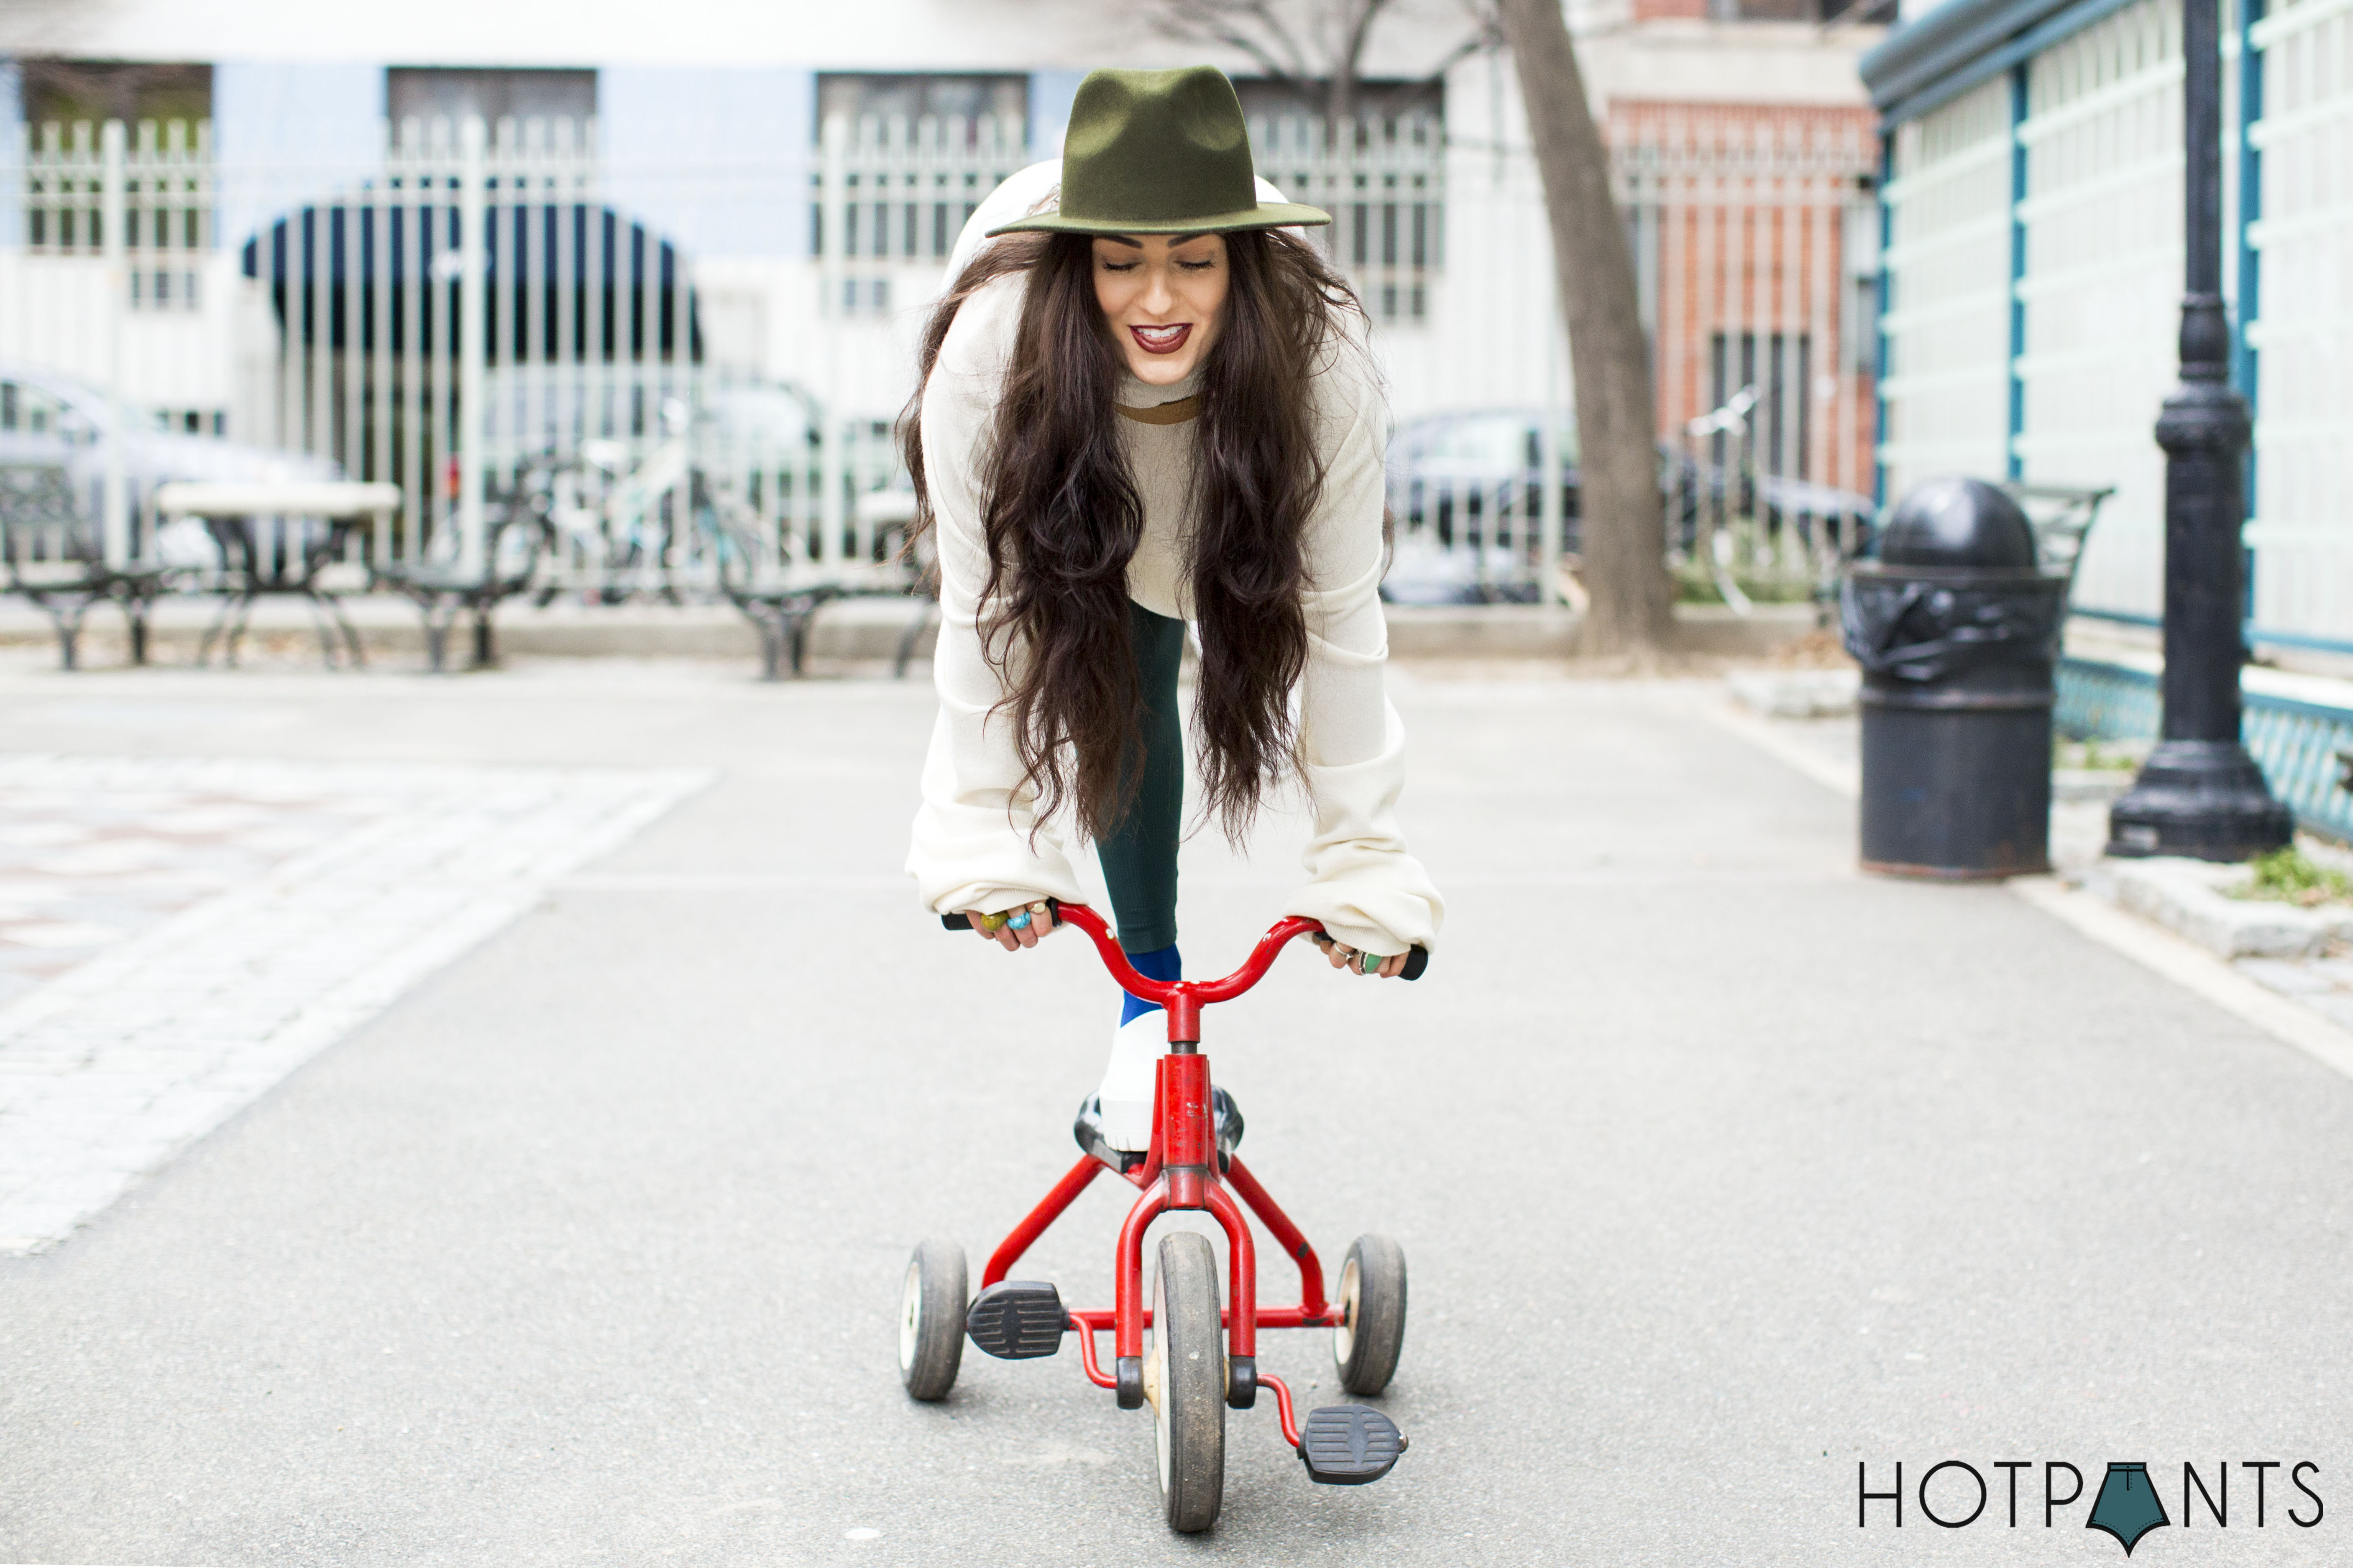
(1165, 340)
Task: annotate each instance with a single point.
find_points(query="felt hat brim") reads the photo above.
(1266, 215)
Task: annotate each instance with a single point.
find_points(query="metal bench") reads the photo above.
(781, 596)
(57, 562)
(2061, 516)
(516, 532)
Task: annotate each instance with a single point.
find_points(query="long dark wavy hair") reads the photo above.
(1062, 518)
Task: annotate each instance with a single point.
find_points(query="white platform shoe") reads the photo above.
(1126, 1097)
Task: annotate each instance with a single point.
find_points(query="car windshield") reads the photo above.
(33, 409)
(1489, 441)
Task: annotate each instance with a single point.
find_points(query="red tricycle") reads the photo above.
(1186, 1374)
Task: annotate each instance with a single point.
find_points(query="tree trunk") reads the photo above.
(1624, 544)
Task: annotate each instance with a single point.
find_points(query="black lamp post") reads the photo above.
(2201, 793)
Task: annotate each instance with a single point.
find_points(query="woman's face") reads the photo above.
(1164, 298)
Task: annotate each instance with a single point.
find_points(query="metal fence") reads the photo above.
(461, 305)
(2305, 748)
(1755, 244)
(2033, 285)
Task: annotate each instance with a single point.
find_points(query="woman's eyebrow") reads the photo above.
(1122, 239)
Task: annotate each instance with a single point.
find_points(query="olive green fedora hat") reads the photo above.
(1159, 152)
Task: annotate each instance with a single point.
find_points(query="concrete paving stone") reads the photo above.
(237, 992)
(25, 1149)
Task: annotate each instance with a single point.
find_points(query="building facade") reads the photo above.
(772, 192)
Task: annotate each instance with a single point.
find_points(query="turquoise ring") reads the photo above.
(1017, 922)
(1372, 961)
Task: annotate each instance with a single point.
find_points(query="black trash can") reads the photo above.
(1956, 627)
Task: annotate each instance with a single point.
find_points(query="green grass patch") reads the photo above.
(2290, 877)
(2093, 757)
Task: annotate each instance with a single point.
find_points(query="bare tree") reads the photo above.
(1312, 47)
(1624, 526)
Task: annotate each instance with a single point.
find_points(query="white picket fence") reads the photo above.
(2034, 279)
(663, 342)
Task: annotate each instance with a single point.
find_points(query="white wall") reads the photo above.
(286, 132)
(872, 35)
(661, 122)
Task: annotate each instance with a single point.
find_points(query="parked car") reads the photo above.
(50, 419)
(1449, 473)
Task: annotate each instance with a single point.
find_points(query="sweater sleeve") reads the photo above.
(1363, 885)
(978, 842)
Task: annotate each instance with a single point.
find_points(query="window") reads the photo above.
(454, 93)
(63, 91)
(1384, 184)
(169, 205)
(1377, 97)
(1777, 367)
(855, 95)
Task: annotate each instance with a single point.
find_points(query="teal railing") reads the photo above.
(2302, 747)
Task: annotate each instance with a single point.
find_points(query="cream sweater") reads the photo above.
(973, 844)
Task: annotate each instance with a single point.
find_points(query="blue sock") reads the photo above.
(1160, 963)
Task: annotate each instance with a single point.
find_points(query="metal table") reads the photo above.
(285, 560)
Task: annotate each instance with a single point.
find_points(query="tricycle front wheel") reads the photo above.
(1185, 1383)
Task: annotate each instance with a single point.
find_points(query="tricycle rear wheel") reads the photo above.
(930, 1319)
(1185, 1383)
(1371, 1333)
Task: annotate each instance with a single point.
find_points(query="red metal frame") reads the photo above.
(1180, 1172)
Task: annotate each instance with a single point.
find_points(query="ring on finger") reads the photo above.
(1372, 961)
(1017, 922)
(992, 922)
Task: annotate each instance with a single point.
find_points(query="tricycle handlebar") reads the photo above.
(1253, 968)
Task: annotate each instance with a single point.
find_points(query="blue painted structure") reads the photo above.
(1937, 56)
(2014, 460)
(2302, 747)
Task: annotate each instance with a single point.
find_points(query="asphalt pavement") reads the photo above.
(1720, 1168)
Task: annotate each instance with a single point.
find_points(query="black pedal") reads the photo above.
(1017, 1320)
(1349, 1445)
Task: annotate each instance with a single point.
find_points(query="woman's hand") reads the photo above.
(1037, 920)
(1343, 956)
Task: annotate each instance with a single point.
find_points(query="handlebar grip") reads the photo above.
(1417, 962)
(961, 921)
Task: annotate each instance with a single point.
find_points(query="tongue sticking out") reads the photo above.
(1161, 339)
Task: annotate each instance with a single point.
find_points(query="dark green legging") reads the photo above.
(1139, 856)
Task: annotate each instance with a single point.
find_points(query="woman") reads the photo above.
(1146, 407)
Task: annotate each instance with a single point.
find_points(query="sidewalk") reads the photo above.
(2297, 953)
(849, 635)
(1720, 1168)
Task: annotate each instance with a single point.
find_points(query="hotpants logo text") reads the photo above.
(1954, 1494)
